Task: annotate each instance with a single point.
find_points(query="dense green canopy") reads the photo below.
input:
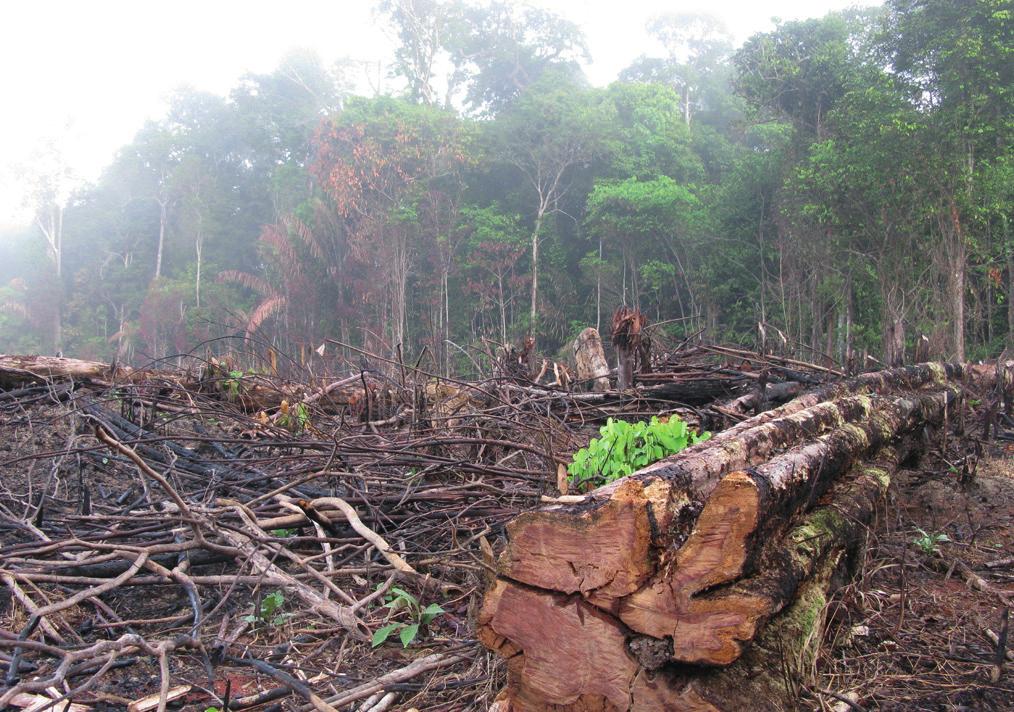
(845, 182)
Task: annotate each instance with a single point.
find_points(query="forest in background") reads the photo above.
(837, 186)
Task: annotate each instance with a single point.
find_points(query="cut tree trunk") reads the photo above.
(619, 543)
(628, 325)
(648, 593)
(565, 654)
(17, 370)
(604, 546)
(592, 366)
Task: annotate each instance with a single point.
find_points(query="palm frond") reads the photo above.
(248, 280)
(263, 311)
(303, 231)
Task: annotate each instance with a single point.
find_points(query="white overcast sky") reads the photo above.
(88, 73)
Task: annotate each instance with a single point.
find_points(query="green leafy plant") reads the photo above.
(295, 418)
(270, 612)
(284, 533)
(302, 415)
(232, 383)
(400, 601)
(928, 542)
(625, 447)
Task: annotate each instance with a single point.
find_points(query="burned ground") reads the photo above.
(437, 482)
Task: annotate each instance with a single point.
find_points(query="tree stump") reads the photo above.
(590, 356)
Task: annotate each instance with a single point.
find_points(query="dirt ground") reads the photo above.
(912, 632)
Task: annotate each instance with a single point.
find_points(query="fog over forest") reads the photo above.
(838, 186)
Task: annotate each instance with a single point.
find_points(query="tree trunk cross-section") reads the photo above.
(644, 595)
(564, 654)
(665, 498)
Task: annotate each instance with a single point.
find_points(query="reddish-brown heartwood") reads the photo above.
(598, 605)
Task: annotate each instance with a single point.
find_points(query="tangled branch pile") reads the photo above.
(231, 539)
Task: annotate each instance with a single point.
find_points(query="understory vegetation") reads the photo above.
(835, 186)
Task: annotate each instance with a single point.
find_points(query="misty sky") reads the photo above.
(86, 74)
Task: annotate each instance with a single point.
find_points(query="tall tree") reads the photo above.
(958, 55)
(421, 26)
(553, 128)
(501, 48)
(51, 180)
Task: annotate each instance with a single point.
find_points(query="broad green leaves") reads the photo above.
(401, 602)
(626, 447)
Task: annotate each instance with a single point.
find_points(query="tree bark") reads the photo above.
(565, 654)
(591, 360)
(603, 603)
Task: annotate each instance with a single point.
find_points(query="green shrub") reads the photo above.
(401, 601)
(626, 447)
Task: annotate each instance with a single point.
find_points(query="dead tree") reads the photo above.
(628, 325)
(592, 366)
(602, 603)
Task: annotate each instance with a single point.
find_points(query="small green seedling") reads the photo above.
(270, 612)
(283, 533)
(928, 542)
(233, 381)
(401, 601)
(296, 419)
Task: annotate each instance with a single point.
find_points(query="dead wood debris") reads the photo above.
(148, 518)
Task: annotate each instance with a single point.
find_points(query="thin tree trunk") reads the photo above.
(535, 269)
(956, 266)
(197, 278)
(598, 290)
(52, 230)
(503, 312)
(894, 331)
(58, 289)
(1010, 290)
(163, 217)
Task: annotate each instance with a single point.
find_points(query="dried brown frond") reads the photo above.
(304, 233)
(264, 310)
(627, 327)
(248, 280)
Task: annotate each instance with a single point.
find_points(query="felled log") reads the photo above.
(754, 401)
(694, 391)
(619, 543)
(18, 370)
(693, 559)
(604, 547)
(565, 654)
(591, 360)
(361, 396)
